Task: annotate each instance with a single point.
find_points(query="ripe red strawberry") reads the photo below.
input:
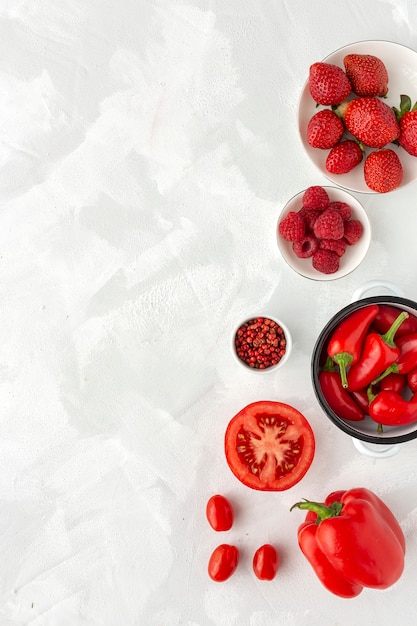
(329, 225)
(292, 227)
(335, 245)
(306, 246)
(326, 261)
(367, 74)
(315, 197)
(353, 232)
(383, 171)
(324, 129)
(371, 121)
(328, 84)
(344, 209)
(407, 118)
(344, 157)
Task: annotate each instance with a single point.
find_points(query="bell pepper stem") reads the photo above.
(322, 511)
(343, 360)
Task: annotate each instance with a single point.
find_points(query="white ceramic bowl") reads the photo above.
(283, 359)
(354, 254)
(401, 64)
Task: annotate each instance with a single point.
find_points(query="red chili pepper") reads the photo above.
(361, 398)
(391, 409)
(393, 382)
(345, 345)
(387, 315)
(379, 351)
(337, 397)
(407, 359)
(355, 542)
(412, 380)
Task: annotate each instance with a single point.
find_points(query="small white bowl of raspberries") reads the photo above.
(323, 233)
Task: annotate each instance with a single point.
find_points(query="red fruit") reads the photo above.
(328, 84)
(305, 247)
(260, 343)
(335, 245)
(344, 157)
(223, 562)
(316, 197)
(219, 513)
(407, 118)
(371, 121)
(343, 208)
(353, 232)
(383, 171)
(329, 225)
(324, 129)
(367, 74)
(326, 261)
(292, 227)
(265, 562)
(309, 216)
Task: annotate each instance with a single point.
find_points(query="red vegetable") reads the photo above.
(361, 398)
(391, 409)
(393, 382)
(412, 380)
(269, 446)
(337, 397)
(387, 315)
(354, 542)
(379, 351)
(223, 562)
(346, 341)
(265, 562)
(219, 513)
(407, 358)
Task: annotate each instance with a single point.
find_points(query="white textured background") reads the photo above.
(146, 150)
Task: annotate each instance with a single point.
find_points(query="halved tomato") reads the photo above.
(269, 446)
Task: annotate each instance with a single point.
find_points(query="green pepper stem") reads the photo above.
(322, 511)
(388, 337)
(391, 369)
(343, 359)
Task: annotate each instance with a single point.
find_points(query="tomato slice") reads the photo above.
(269, 446)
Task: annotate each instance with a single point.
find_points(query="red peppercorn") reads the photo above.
(260, 343)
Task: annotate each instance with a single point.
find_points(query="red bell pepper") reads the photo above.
(379, 352)
(337, 397)
(354, 542)
(406, 360)
(387, 315)
(391, 409)
(346, 341)
(412, 380)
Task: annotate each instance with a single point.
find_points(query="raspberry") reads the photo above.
(309, 216)
(306, 246)
(353, 231)
(344, 209)
(315, 197)
(329, 225)
(326, 261)
(335, 245)
(292, 227)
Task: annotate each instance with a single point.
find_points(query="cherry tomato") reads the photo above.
(269, 446)
(265, 562)
(219, 513)
(223, 562)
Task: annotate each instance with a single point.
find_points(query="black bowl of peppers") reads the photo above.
(364, 370)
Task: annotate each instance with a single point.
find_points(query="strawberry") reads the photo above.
(367, 74)
(326, 261)
(344, 157)
(315, 197)
(329, 225)
(324, 129)
(383, 170)
(292, 227)
(328, 84)
(407, 118)
(370, 120)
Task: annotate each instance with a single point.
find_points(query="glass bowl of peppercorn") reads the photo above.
(262, 343)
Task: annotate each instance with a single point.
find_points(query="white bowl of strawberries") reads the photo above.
(323, 233)
(356, 118)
